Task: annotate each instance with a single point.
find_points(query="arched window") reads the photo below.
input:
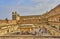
(59, 19)
(59, 27)
(54, 27)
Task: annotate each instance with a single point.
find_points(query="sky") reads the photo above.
(26, 7)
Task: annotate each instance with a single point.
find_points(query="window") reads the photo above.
(59, 19)
(14, 17)
(54, 27)
(59, 27)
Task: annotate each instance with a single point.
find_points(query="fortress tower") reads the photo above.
(15, 16)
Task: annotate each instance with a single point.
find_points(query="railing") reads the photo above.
(14, 27)
(29, 37)
(54, 31)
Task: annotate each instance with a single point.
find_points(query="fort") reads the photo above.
(47, 24)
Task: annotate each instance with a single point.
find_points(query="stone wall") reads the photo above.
(55, 18)
(54, 11)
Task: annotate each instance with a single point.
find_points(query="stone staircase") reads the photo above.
(8, 29)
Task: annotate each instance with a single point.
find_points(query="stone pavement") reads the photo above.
(29, 37)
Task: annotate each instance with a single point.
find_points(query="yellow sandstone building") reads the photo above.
(47, 24)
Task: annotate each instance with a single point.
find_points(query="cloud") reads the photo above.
(31, 7)
(40, 7)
